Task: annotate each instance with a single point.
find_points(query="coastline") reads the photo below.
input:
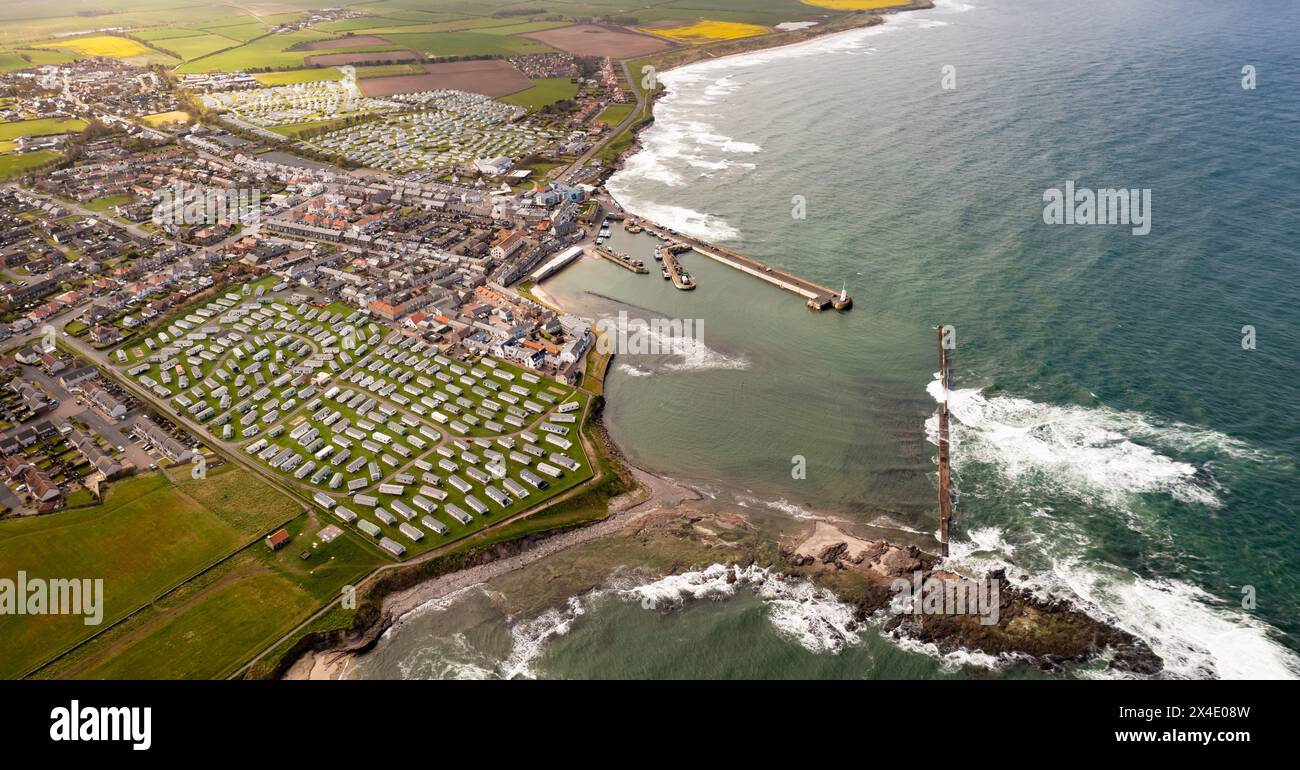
(858, 570)
(785, 40)
(661, 494)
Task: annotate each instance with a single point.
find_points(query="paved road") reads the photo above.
(631, 118)
(135, 230)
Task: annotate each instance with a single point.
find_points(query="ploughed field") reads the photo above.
(490, 77)
(409, 447)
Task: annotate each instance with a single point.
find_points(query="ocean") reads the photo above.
(1124, 429)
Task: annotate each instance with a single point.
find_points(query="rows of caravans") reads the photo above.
(251, 370)
(401, 370)
(413, 501)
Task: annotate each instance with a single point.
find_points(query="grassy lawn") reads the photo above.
(149, 535)
(615, 114)
(295, 130)
(544, 91)
(160, 119)
(108, 202)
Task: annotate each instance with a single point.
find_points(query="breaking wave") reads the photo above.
(797, 609)
(1093, 454)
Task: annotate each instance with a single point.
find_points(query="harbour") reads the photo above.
(672, 243)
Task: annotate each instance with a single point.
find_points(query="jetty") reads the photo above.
(945, 451)
(819, 297)
(675, 272)
(622, 260)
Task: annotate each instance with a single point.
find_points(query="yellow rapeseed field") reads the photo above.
(855, 5)
(100, 45)
(708, 31)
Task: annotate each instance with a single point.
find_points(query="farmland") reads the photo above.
(543, 91)
(41, 127)
(106, 45)
(290, 77)
(220, 619)
(150, 534)
(708, 31)
(489, 77)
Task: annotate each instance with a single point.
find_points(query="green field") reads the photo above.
(544, 91)
(268, 52)
(108, 202)
(149, 535)
(615, 114)
(290, 77)
(388, 70)
(41, 127)
(194, 46)
(13, 164)
(220, 620)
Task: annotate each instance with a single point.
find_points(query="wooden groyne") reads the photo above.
(945, 450)
(819, 297)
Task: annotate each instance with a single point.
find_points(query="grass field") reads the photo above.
(166, 118)
(615, 114)
(194, 46)
(149, 535)
(708, 31)
(41, 127)
(270, 52)
(543, 92)
(107, 202)
(388, 70)
(12, 165)
(290, 77)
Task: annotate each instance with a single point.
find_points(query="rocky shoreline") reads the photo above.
(1048, 634)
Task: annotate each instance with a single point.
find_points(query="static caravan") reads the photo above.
(434, 524)
(564, 461)
(498, 497)
(458, 513)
